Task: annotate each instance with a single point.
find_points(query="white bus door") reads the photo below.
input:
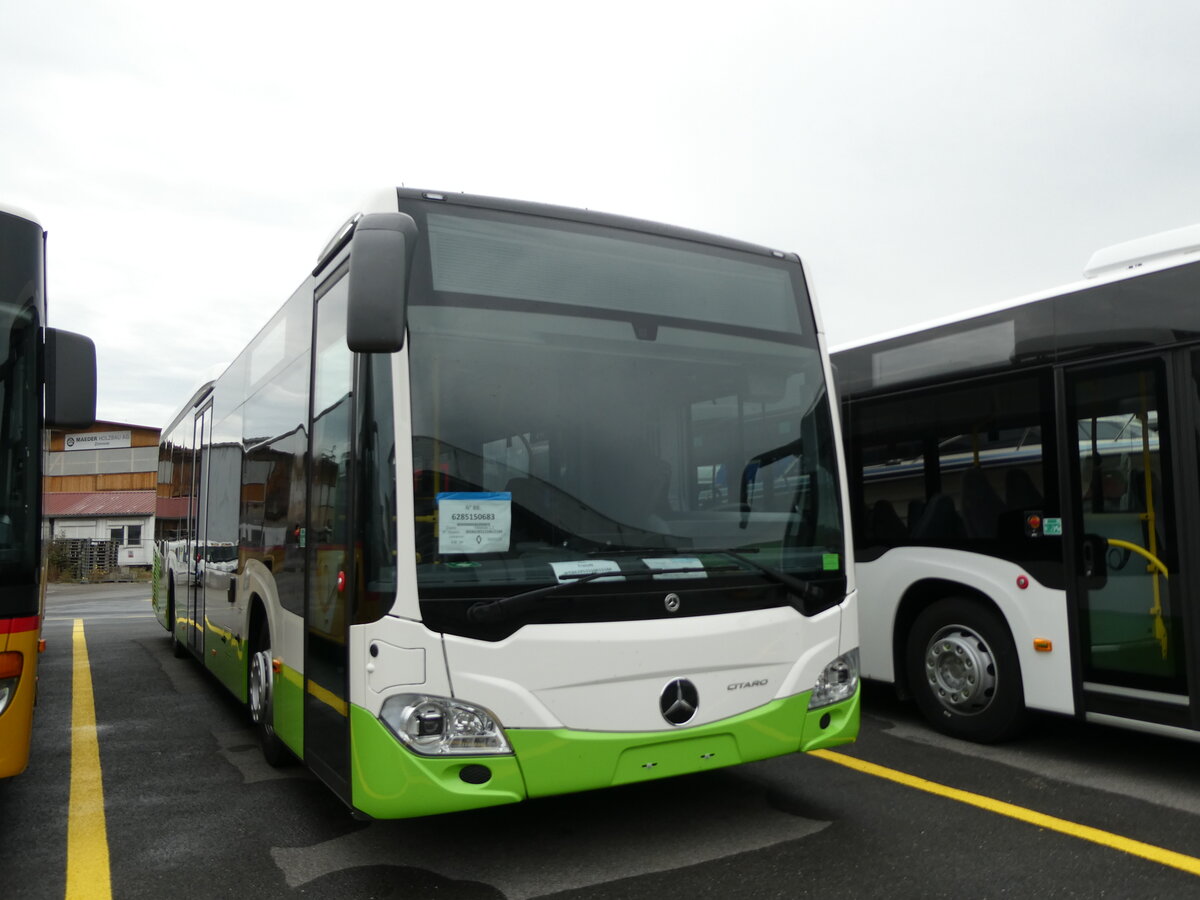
(1129, 589)
(329, 585)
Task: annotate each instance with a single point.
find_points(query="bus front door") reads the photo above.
(1129, 589)
(199, 531)
(330, 578)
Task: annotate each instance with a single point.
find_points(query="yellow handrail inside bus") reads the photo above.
(1156, 564)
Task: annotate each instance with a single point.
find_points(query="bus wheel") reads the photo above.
(964, 672)
(178, 650)
(262, 698)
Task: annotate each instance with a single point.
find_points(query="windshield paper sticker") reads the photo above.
(474, 522)
(564, 571)
(691, 566)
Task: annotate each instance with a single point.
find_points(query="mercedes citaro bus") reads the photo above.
(519, 500)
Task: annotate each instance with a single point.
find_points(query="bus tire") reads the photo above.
(963, 671)
(262, 698)
(178, 650)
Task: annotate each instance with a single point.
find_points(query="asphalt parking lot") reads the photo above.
(189, 807)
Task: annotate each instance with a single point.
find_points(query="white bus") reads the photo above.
(519, 500)
(1025, 485)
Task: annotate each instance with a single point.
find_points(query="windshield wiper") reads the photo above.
(803, 590)
(496, 610)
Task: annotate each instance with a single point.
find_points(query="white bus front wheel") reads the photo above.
(963, 671)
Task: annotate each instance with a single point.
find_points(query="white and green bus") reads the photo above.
(511, 500)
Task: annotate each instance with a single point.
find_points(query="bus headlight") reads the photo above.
(8, 687)
(10, 673)
(439, 726)
(838, 682)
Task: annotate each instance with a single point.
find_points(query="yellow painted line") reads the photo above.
(1084, 832)
(88, 873)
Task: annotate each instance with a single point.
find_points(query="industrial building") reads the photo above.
(99, 486)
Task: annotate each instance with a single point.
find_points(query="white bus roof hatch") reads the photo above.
(1155, 248)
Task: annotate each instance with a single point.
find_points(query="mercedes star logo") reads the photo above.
(679, 701)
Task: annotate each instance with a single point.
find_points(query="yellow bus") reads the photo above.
(68, 376)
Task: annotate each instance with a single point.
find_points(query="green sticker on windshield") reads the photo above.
(831, 562)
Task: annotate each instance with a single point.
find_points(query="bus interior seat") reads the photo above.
(1116, 494)
(1020, 492)
(886, 523)
(981, 505)
(1137, 491)
(939, 521)
(1106, 483)
(916, 509)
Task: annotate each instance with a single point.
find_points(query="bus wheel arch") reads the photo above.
(960, 663)
(260, 687)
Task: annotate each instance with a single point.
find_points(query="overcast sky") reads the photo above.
(923, 158)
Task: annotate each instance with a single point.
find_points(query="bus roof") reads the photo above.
(386, 201)
(1117, 262)
(12, 210)
(200, 393)
(1165, 248)
(1141, 295)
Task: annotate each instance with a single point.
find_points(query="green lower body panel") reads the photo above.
(289, 709)
(226, 658)
(389, 781)
(559, 761)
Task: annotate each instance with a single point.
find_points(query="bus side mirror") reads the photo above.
(381, 253)
(70, 380)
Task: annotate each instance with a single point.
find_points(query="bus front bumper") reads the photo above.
(390, 781)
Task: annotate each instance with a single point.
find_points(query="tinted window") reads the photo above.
(961, 465)
(20, 391)
(273, 485)
(606, 271)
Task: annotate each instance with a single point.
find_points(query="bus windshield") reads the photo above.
(19, 435)
(590, 400)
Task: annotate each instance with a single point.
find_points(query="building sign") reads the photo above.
(100, 440)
